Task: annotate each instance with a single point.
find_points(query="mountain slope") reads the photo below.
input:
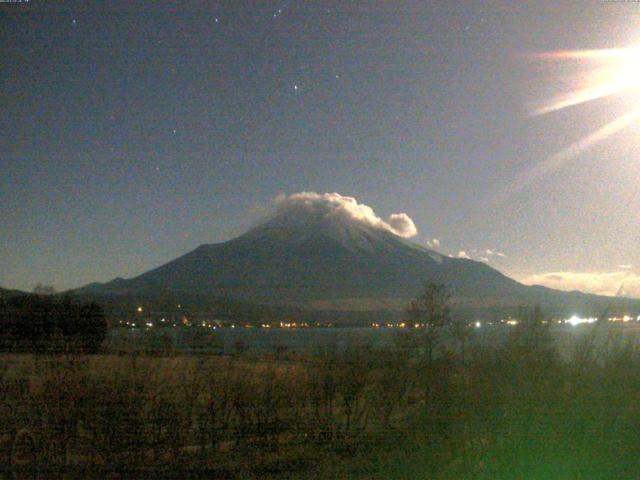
(4, 293)
(311, 258)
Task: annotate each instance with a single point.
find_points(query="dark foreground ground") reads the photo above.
(518, 409)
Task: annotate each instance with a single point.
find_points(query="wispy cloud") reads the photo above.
(433, 243)
(483, 255)
(602, 283)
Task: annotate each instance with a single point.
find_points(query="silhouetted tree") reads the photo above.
(41, 289)
(532, 332)
(430, 311)
(47, 323)
(461, 333)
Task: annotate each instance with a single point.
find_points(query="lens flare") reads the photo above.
(585, 75)
(615, 71)
(557, 160)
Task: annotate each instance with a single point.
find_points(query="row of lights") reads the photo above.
(574, 320)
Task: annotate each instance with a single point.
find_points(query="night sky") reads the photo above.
(134, 132)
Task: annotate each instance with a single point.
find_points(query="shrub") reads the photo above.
(35, 323)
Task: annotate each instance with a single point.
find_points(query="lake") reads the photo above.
(259, 341)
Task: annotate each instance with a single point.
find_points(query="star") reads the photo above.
(74, 21)
(295, 87)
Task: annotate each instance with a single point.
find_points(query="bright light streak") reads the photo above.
(575, 320)
(617, 71)
(584, 54)
(604, 73)
(558, 160)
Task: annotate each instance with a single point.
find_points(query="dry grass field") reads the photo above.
(517, 410)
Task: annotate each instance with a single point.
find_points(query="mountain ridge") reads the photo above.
(309, 259)
(7, 293)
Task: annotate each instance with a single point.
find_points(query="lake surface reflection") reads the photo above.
(228, 341)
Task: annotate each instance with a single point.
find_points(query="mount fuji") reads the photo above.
(326, 251)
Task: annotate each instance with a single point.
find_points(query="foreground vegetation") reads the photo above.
(50, 324)
(516, 410)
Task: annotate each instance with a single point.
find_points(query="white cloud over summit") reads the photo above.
(347, 207)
